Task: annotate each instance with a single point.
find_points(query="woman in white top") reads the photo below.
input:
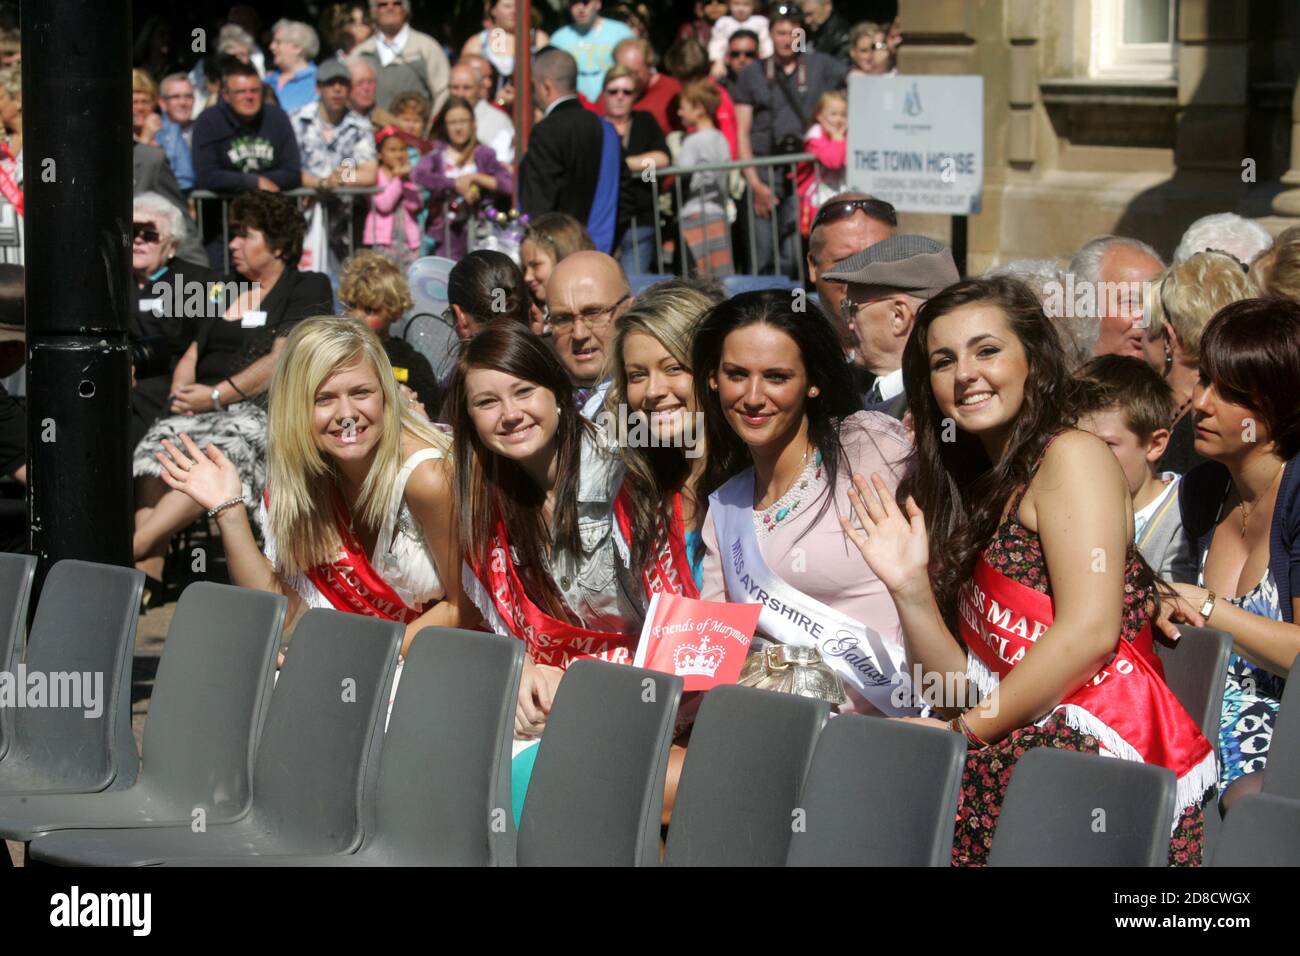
(359, 513)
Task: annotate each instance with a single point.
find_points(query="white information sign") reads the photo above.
(918, 141)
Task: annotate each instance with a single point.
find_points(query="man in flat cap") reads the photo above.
(888, 282)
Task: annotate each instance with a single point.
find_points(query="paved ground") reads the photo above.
(149, 637)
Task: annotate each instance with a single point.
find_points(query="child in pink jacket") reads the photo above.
(827, 139)
(392, 225)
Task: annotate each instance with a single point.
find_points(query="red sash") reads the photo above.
(13, 193)
(350, 583)
(671, 569)
(549, 640)
(1126, 705)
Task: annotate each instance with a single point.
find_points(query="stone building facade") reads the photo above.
(1130, 116)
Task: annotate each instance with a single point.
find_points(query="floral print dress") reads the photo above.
(1252, 696)
(1017, 552)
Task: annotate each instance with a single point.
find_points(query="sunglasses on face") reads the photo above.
(144, 231)
(747, 54)
(841, 209)
(618, 91)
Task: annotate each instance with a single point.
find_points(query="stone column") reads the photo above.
(1213, 60)
(1287, 203)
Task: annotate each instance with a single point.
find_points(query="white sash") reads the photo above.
(854, 651)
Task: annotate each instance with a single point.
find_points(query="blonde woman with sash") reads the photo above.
(358, 514)
(535, 493)
(651, 415)
(1013, 567)
(785, 430)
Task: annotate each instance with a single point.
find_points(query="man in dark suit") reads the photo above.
(564, 168)
(888, 282)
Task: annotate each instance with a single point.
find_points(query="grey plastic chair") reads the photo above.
(1282, 774)
(1196, 670)
(1065, 808)
(443, 797)
(315, 760)
(16, 572)
(1260, 830)
(209, 700)
(744, 769)
(597, 789)
(879, 793)
(84, 626)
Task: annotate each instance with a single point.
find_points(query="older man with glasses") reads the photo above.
(586, 295)
(176, 99)
(845, 225)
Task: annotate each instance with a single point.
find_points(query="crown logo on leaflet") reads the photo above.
(691, 660)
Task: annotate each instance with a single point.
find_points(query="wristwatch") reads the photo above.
(1208, 604)
(216, 398)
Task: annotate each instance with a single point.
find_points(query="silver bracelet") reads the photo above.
(213, 512)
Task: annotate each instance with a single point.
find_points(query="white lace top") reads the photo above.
(401, 556)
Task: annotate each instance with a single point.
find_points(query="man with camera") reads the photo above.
(776, 100)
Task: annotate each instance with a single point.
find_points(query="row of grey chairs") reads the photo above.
(235, 774)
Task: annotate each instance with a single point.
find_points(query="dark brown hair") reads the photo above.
(488, 285)
(1250, 353)
(489, 486)
(276, 217)
(1128, 385)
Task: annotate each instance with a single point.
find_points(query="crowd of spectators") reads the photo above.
(934, 436)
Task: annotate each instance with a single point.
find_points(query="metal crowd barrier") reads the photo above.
(768, 166)
(349, 194)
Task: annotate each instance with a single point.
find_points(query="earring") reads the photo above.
(1169, 359)
(813, 392)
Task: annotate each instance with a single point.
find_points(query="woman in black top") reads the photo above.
(217, 386)
(644, 148)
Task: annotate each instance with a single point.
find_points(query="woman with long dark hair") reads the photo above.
(1243, 510)
(785, 430)
(1012, 565)
(535, 490)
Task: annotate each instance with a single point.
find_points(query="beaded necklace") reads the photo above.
(766, 521)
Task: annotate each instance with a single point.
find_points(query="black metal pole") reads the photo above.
(77, 184)
(959, 224)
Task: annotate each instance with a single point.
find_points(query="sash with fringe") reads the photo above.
(350, 583)
(670, 571)
(1126, 705)
(854, 651)
(499, 595)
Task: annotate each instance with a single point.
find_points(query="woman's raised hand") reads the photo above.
(207, 477)
(895, 546)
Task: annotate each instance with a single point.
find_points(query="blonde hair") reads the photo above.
(1190, 293)
(828, 97)
(302, 479)
(619, 72)
(1277, 271)
(669, 314)
(372, 282)
(142, 82)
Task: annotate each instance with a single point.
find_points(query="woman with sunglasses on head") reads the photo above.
(1012, 565)
(644, 148)
(785, 430)
(1243, 509)
(359, 512)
